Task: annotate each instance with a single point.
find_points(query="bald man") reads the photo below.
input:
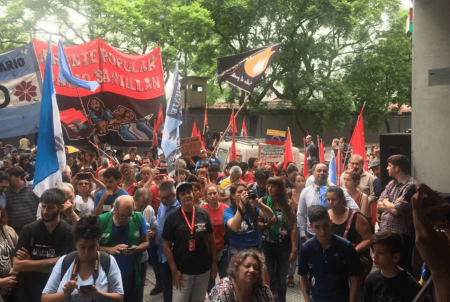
(124, 235)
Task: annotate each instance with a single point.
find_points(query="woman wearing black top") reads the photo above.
(24, 162)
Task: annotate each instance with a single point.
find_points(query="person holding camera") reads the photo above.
(85, 274)
(241, 218)
(124, 235)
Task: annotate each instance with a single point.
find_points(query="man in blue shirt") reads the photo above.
(331, 261)
(105, 198)
(169, 203)
(4, 184)
(214, 158)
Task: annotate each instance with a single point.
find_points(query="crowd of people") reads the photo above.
(251, 224)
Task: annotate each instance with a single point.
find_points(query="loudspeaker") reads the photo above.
(392, 144)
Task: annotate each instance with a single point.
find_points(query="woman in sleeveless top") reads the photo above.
(351, 182)
(340, 215)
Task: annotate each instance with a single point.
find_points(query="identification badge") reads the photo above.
(191, 245)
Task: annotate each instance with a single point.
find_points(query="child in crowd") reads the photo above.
(389, 283)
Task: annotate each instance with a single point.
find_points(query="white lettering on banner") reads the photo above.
(271, 153)
(107, 76)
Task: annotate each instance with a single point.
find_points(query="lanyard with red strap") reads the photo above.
(191, 227)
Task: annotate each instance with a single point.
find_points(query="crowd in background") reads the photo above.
(251, 224)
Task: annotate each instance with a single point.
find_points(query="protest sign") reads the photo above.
(275, 137)
(190, 146)
(271, 153)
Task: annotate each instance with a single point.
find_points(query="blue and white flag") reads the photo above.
(51, 157)
(332, 171)
(174, 118)
(66, 75)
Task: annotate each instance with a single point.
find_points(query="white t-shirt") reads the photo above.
(107, 284)
(84, 208)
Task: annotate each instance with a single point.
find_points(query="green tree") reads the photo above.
(320, 40)
(382, 75)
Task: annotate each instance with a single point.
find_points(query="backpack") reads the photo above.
(105, 262)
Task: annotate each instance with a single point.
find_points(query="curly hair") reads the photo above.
(88, 228)
(127, 173)
(237, 260)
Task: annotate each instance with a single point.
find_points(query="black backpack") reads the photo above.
(105, 262)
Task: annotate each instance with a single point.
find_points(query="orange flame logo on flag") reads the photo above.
(258, 63)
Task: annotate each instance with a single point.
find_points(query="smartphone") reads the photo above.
(86, 288)
(162, 171)
(131, 248)
(83, 176)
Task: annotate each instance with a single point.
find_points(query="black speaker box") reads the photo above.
(392, 144)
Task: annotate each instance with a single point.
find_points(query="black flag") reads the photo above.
(244, 70)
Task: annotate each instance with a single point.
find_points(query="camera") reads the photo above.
(252, 194)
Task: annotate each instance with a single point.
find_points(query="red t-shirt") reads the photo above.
(131, 189)
(154, 203)
(217, 222)
(248, 179)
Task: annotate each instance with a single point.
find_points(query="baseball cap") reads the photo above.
(108, 149)
(8, 146)
(183, 185)
(374, 163)
(13, 149)
(202, 150)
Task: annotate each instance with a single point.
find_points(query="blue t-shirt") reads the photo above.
(111, 283)
(3, 200)
(244, 237)
(125, 263)
(107, 206)
(330, 268)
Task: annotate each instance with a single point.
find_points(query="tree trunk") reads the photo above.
(253, 119)
(299, 124)
(388, 126)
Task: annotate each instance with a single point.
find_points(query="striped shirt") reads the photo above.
(395, 191)
(21, 207)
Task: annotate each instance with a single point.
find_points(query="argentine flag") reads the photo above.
(66, 75)
(332, 177)
(51, 157)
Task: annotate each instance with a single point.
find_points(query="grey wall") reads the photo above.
(431, 110)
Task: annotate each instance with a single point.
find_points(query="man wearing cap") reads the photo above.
(7, 150)
(375, 167)
(189, 247)
(203, 160)
(15, 156)
(7, 163)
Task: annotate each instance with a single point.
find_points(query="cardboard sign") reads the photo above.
(190, 146)
(275, 137)
(271, 153)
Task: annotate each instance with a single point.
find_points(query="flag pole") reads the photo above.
(204, 124)
(229, 125)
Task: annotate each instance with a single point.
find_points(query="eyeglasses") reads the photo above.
(123, 217)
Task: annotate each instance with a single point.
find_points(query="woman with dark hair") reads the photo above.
(24, 162)
(241, 219)
(85, 274)
(372, 155)
(253, 164)
(197, 191)
(280, 237)
(281, 173)
(244, 281)
(299, 184)
(8, 242)
(88, 161)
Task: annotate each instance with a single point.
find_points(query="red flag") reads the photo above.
(321, 151)
(160, 119)
(194, 129)
(233, 122)
(200, 138)
(288, 154)
(206, 115)
(339, 167)
(155, 136)
(244, 129)
(358, 141)
(305, 162)
(233, 149)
